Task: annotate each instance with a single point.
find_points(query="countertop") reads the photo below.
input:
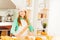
(5, 23)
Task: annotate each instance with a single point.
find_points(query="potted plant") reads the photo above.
(44, 25)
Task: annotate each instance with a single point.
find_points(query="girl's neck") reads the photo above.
(22, 16)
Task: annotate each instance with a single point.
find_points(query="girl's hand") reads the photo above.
(31, 34)
(17, 35)
(27, 26)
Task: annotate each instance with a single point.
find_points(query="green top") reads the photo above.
(15, 26)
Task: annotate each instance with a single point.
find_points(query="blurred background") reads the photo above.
(44, 15)
(37, 12)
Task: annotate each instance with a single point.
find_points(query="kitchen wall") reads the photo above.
(4, 13)
(54, 18)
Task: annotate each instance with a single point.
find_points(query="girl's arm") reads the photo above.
(31, 30)
(13, 31)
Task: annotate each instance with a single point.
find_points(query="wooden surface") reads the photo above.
(5, 30)
(6, 27)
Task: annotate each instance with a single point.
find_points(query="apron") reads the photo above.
(24, 24)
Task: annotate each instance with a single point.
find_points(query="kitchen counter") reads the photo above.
(26, 38)
(5, 27)
(5, 23)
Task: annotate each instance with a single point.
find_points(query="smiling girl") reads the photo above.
(21, 25)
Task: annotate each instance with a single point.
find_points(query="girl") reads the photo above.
(21, 25)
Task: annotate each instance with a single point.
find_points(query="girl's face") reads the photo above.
(22, 13)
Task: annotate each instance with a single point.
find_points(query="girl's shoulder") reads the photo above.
(15, 20)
